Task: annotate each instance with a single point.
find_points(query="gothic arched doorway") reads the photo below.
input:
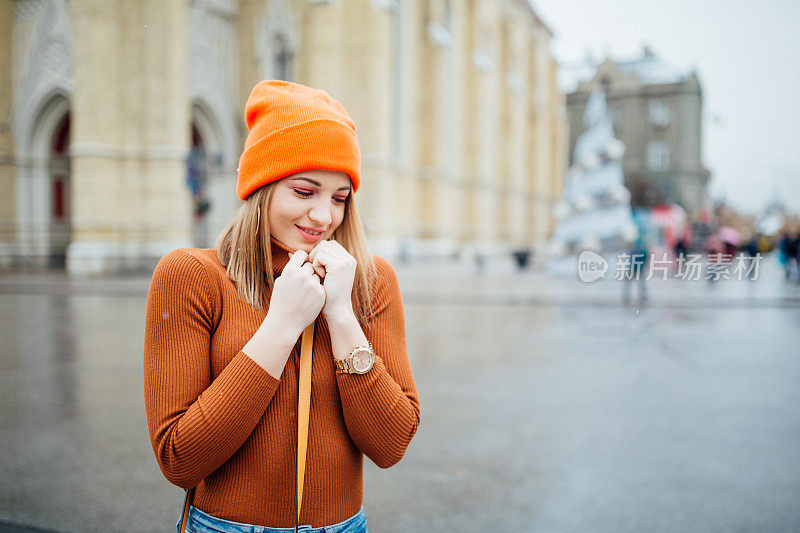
(43, 187)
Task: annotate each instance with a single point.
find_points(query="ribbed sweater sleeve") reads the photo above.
(195, 423)
(382, 407)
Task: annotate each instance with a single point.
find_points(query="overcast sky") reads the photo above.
(747, 56)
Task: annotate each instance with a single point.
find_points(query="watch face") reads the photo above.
(362, 360)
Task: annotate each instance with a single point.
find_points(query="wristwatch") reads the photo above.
(359, 361)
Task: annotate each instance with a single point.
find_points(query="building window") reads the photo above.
(276, 41)
(658, 155)
(282, 59)
(440, 29)
(659, 114)
(483, 55)
(615, 113)
(514, 77)
(387, 5)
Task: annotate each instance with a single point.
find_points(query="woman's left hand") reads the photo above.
(338, 269)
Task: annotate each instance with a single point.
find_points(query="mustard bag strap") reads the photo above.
(187, 502)
(303, 410)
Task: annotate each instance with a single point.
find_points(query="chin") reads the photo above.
(305, 246)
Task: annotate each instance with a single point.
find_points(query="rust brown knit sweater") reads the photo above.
(220, 422)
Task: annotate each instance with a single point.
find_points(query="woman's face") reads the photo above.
(312, 201)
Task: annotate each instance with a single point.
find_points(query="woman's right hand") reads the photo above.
(297, 299)
(298, 296)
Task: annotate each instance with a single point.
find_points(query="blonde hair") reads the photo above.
(244, 248)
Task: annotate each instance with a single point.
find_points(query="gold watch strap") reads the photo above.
(343, 365)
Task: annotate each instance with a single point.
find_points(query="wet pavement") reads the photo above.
(548, 405)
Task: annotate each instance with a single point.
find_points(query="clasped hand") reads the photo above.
(310, 283)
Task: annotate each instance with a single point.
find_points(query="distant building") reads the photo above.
(121, 123)
(657, 112)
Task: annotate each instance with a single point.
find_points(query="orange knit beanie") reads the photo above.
(293, 128)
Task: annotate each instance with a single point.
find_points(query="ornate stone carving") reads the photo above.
(46, 59)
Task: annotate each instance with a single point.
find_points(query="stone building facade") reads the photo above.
(657, 112)
(121, 122)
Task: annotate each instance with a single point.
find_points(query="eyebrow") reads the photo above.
(318, 184)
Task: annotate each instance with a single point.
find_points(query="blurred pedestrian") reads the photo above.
(783, 257)
(221, 360)
(717, 258)
(636, 271)
(752, 255)
(680, 254)
(728, 250)
(793, 254)
(680, 249)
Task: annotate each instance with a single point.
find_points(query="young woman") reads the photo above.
(221, 354)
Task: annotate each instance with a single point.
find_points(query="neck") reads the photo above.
(280, 255)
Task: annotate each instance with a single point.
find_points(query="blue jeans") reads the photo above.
(200, 522)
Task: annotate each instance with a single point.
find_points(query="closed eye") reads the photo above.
(307, 194)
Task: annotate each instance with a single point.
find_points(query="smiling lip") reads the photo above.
(308, 236)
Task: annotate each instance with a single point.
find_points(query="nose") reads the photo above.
(320, 212)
